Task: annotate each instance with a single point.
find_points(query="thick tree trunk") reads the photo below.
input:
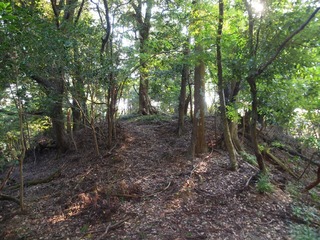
(253, 125)
(145, 107)
(57, 118)
(55, 91)
(144, 26)
(199, 144)
(233, 126)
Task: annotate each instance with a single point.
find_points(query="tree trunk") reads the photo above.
(199, 144)
(144, 100)
(144, 26)
(55, 91)
(57, 118)
(226, 130)
(112, 101)
(79, 106)
(183, 91)
(253, 125)
(233, 126)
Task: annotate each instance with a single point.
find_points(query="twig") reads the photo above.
(110, 151)
(105, 232)
(247, 183)
(142, 196)
(4, 197)
(83, 177)
(110, 227)
(153, 194)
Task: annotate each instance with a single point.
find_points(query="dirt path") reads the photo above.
(146, 189)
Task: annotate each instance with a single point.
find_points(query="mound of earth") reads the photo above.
(146, 187)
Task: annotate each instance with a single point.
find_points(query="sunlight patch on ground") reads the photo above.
(74, 209)
(201, 167)
(57, 218)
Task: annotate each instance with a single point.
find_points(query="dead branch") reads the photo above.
(156, 193)
(291, 151)
(279, 163)
(4, 197)
(111, 227)
(142, 196)
(105, 233)
(51, 177)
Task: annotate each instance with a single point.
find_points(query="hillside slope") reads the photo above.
(146, 188)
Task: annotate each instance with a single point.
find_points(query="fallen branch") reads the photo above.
(110, 227)
(4, 197)
(279, 163)
(153, 194)
(51, 177)
(142, 196)
(105, 233)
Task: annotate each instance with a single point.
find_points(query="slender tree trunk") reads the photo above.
(183, 91)
(226, 130)
(23, 154)
(112, 101)
(79, 106)
(79, 99)
(190, 101)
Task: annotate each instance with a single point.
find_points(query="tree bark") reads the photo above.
(55, 90)
(79, 106)
(233, 126)
(183, 91)
(199, 144)
(57, 118)
(226, 130)
(253, 125)
(144, 26)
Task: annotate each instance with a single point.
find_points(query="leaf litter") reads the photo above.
(146, 188)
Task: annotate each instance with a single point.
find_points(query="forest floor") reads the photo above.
(147, 188)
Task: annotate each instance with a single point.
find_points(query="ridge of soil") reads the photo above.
(146, 188)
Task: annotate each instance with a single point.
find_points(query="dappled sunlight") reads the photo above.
(57, 218)
(74, 209)
(202, 166)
